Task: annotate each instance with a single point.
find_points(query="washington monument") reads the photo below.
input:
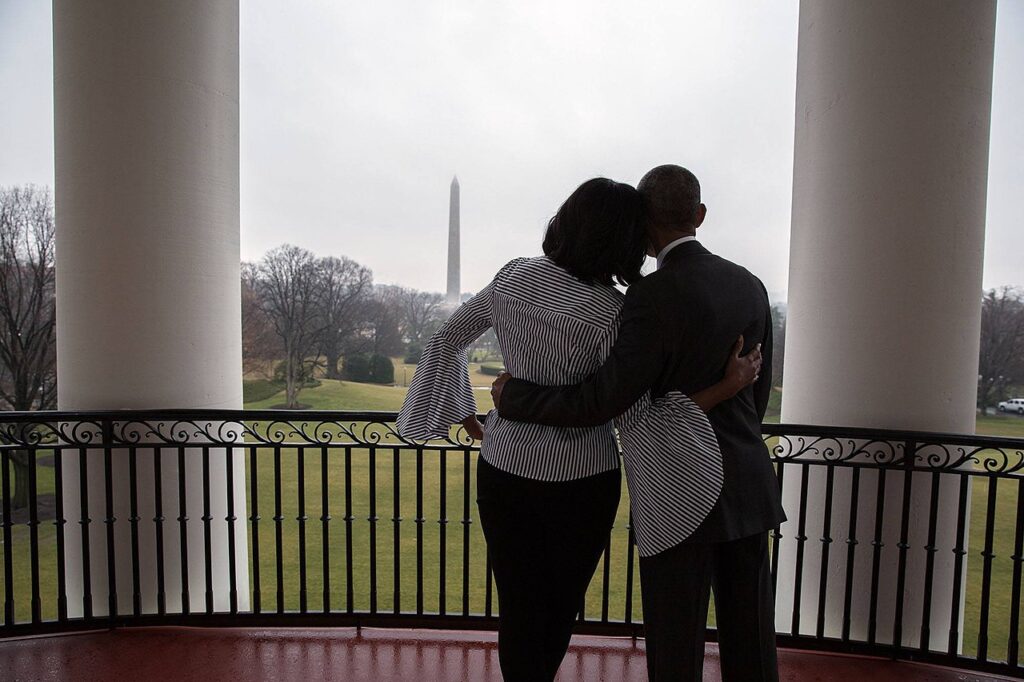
(453, 245)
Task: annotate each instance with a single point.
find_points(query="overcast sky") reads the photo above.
(355, 116)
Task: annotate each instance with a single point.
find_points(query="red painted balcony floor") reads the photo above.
(184, 654)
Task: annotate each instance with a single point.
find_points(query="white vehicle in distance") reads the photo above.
(1012, 405)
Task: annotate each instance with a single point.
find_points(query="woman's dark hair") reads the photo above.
(597, 235)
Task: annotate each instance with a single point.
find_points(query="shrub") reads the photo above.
(413, 354)
(357, 367)
(382, 369)
(491, 370)
(254, 390)
(369, 369)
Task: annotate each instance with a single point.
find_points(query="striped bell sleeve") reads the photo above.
(440, 394)
(673, 469)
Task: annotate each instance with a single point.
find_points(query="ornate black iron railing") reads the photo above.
(898, 544)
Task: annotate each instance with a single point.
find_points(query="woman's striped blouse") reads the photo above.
(555, 330)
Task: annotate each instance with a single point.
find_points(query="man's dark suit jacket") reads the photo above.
(678, 328)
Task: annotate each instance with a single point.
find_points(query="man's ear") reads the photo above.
(702, 212)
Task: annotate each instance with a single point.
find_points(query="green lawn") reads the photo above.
(1006, 425)
(348, 395)
(455, 467)
(342, 395)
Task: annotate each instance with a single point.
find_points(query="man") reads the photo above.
(677, 326)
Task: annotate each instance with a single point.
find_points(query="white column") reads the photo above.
(889, 190)
(148, 300)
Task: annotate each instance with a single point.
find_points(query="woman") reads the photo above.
(547, 496)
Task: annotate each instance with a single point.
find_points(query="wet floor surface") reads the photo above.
(187, 654)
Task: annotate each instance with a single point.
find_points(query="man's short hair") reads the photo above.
(671, 197)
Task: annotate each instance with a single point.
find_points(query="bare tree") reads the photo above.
(385, 321)
(345, 306)
(422, 314)
(778, 342)
(1001, 360)
(260, 344)
(28, 377)
(287, 284)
